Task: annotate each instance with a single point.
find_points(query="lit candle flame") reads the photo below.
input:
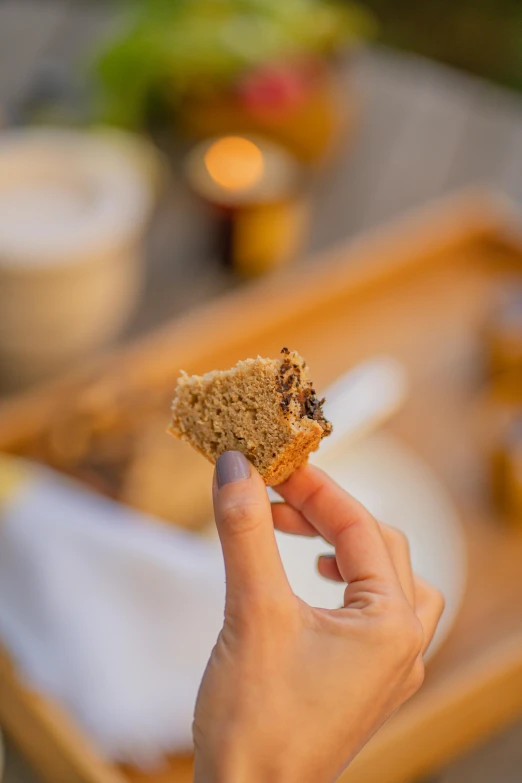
(235, 163)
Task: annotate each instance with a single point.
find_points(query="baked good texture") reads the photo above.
(265, 408)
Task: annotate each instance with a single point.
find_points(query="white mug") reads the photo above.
(74, 207)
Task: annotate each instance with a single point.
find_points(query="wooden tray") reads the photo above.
(418, 290)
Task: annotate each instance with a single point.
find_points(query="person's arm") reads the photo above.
(291, 692)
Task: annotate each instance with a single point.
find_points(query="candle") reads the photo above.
(255, 186)
(235, 163)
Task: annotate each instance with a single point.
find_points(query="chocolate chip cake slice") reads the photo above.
(266, 408)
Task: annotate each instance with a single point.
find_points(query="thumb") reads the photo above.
(246, 530)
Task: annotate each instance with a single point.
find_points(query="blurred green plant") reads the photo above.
(182, 47)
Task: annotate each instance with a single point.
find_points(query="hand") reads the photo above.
(293, 692)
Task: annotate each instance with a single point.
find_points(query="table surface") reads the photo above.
(424, 130)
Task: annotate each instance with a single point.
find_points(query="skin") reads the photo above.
(292, 692)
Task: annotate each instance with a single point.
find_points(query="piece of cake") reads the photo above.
(266, 408)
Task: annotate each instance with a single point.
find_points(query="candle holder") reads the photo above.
(256, 189)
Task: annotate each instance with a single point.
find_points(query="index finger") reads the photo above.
(360, 549)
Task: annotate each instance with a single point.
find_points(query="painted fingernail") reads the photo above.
(231, 466)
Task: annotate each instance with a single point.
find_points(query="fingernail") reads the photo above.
(231, 466)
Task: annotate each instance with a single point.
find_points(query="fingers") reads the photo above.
(244, 522)
(288, 520)
(364, 549)
(327, 567)
(429, 608)
(426, 600)
(429, 601)
(399, 550)
(360, 548)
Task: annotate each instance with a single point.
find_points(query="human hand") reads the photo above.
(293, 692)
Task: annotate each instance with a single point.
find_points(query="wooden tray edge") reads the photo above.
(46, 736)
(483, 696)
(449, 224)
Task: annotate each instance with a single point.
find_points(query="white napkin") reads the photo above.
(112, 614)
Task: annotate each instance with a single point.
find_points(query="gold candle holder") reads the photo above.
(256, 188)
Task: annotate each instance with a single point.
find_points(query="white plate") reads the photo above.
(398, 488)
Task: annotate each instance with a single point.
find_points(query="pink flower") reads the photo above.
(275, 88)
